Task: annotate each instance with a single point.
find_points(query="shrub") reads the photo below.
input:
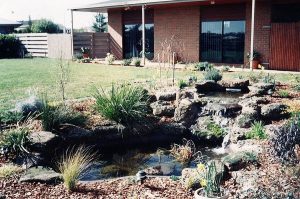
(29, 106)
(122, 103)
(10, 47)
(257, 131)
(109, 59)
(186, 152)
(74, 164)
(202, 66)
(10, 117)
(8, 170)
(286, 139)
(54, 116)
(212, 74)
(137, 62)
(45, 26)
(283, 93)
(126, 62)
(182, 84)
(15, 141)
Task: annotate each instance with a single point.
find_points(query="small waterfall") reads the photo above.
(225, 143)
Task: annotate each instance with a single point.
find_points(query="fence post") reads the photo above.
(93, 45)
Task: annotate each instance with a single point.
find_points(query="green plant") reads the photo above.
(182, 84)
(137, 62)
(109, 59)
(10, 117)
(54, 116)
(283, 93)
(202, 66)
(213, 181)
(186, 152)
(74, 164)
(256, 55)
(225, 68)
(85, 50)
(212, 129)
(45, 26)
(100, 25)
(212, 74)
(15, 141)
(122, 103)
(7, 170)
(257, 131)
(126, 62)
(10, 46)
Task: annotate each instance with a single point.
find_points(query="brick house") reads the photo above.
(217, 31)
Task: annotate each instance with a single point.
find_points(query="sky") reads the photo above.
(56, 10)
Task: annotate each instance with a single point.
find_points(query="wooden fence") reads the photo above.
(98, 43)
(35, 43)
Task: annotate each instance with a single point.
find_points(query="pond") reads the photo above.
(129, 162)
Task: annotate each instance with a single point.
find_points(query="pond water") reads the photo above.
(224, 97)
(131, 161)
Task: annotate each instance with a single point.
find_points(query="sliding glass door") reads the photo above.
(132, 37)
(222, 41)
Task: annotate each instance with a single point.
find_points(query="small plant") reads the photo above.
(126, 62)
(202, 66)
(85, 50)
(10, 117)
(212, 130)
(122, 104)
(225, 69)
(15, 141)
(286, 139)
(7, 170)
(109, 59)
(54, 116)
(74, 164)
(283, 93)
(186, 152)
(257, 131)
(212, 74)
(137, 62)
(182, 84)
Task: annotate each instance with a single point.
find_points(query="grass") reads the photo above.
(123, 103)
(17, 76)
(257, 131)
(8, 170)
(74, 164)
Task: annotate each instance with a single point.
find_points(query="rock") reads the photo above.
(190, 178)
(274, 111)
(30, 160)
(235, 84)
(171, 129)
(237, 134)
(156, 170)
(189, 93)
(263, 86)
(166, 96)
(42, 140)
(40, 174)
(252, 146)
(161, 169)
(187, 112)
(246, 180)
(224, 110)
(208, 86)
(245, 120)
(237, 161)
(2, 196)
(163, 108)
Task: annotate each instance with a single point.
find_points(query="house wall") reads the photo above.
(183, 24)
(115, 29)
(262, 29)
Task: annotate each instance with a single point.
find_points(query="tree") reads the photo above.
(45, 26)
(100, 25)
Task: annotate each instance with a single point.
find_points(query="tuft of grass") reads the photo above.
(212, 74)
(126, 62)
(257, 131)
(74, 164)
(283, 93)
(122, 104)
(15, 141)
(182, 84)
(54, 116)
(8, 170)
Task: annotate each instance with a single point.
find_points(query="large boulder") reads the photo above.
(43, 139)
(208, 86)
(237, 161)
(274, 111)
(225, 110)
(235, 84)
(187, 112)
(163, 108)
(40, 174)
(166, 96)
(246, 119)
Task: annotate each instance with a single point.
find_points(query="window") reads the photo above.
(132, 37)
(222, 41)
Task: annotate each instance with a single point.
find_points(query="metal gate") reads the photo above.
(285, 46)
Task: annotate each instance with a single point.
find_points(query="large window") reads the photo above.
(222, 41)
(133, 40)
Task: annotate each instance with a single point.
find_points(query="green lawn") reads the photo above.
(18, 76)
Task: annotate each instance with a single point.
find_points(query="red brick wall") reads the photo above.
(261, 30)
(115, 30)
(182, 23)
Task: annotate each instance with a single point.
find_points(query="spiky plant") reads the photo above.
(74, 164)
(257, 131)
(213, 181)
